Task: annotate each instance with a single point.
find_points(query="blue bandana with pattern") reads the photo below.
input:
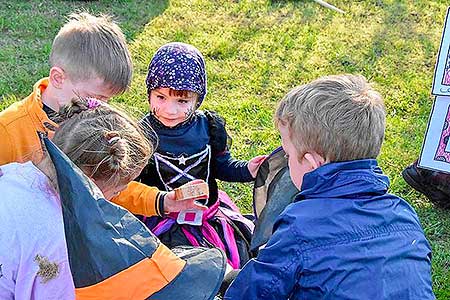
(180, 67)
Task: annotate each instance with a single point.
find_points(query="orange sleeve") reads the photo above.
(141, 199)
(6, 150)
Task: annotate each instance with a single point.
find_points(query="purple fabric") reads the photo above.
(191, 238)
(180, 67)
(233, 213)
(163, 226)
(211, 235)
(228, 231)
(224, 215)
(93, 103)
(32, 227)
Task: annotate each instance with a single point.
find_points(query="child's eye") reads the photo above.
(160, 97)
(182, 101)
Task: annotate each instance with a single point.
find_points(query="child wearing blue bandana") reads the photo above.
(193, 145)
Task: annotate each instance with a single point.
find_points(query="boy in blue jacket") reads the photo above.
(345, 236)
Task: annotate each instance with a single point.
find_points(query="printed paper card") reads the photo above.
(436, 147)
(441, 80)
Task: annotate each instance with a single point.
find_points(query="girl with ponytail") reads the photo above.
(61, 239)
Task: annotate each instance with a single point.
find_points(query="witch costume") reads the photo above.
(194, 149)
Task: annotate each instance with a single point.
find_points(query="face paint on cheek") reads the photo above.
(155, 111)
(189, 112)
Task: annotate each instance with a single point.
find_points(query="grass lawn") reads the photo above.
(255, 52)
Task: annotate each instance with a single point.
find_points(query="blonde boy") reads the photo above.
(89, 58)
(345, 236)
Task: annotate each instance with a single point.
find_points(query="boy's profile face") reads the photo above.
(170, 108)
(297, 169)
(92, 88)
(110, 190)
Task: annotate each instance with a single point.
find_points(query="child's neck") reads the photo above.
(46, 166)
(49, 100)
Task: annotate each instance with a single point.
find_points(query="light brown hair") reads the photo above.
(88, 46)
(340, 117)
(103, 142)
(182, 93)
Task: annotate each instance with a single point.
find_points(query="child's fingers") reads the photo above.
(259, 159)
(201, 197)
(193, 204)
(262, 158)
(200, 206)
(195, 181)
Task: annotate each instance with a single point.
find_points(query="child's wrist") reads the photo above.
(161, 205)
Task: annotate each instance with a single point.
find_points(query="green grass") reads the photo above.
(28, 29)
(256, 51)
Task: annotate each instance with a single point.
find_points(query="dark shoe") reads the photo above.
(227, 280)
(434, 185)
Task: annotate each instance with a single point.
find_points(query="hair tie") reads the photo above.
(93, 103)
(113, 139)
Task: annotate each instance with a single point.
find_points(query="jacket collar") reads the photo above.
(36, 97)
(34, 105)
(344, 179)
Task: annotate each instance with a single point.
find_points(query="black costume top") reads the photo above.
(194, 149)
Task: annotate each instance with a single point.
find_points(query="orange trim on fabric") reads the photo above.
(139, 281)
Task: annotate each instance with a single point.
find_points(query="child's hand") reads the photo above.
(171, 204)
(255, 163)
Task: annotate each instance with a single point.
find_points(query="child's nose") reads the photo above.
(171, 108)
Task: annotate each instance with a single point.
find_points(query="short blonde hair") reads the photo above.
(88, 46)
(341, 117)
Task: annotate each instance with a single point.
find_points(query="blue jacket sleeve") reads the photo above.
(231, 170)
(273, 274)
(224, 166)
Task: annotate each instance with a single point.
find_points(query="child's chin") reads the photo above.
(170, 123)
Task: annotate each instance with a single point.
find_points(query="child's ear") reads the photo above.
(197, 101)
(314, 160)
(57, 77)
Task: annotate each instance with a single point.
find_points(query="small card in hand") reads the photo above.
(190, 191)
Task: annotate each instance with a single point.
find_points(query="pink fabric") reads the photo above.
(224, 198)
(211, 211)
(211, 236)
(191, 238)
(440, 152)
(234, 213)
(93, 103)
(446, 80)
(209, 233)
(234, 259)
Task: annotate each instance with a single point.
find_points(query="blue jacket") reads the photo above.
(344, 237)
